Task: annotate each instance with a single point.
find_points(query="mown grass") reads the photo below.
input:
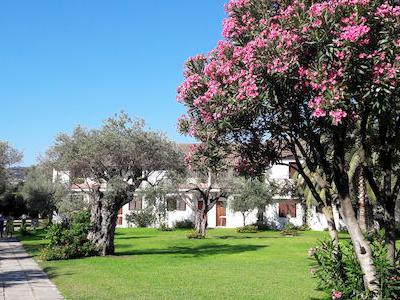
(150, 264)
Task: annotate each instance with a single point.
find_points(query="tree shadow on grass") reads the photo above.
(131, 237)
(194, 251)
(20, 277)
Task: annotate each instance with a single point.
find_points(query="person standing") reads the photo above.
(1, 225)
(9, 227)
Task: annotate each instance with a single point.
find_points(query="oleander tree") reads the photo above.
(314, 78)
(114, 161)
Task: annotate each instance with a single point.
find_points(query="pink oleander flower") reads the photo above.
(337, 295)
(235, 4)
(337, 116)
(386, 10)
(319, 112)
(353, 33)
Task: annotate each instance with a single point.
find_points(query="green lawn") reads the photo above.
(165, 265)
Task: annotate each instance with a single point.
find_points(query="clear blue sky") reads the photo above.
(70, 62)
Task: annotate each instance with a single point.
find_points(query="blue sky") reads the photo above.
(68, 62)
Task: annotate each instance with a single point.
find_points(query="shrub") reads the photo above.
(23, 230)
(184, 224)
(164, 227)
(265, 225)
(289, 230)
(338, 270)
(69, 240)
(143, 218)
(247, 229)
(304, 227)
(195, 235)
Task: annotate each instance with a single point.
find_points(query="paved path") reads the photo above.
(21, 278)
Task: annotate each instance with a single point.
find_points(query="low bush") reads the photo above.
(195, 235)
(247, 229)
(184, 224)
(23, 230)
(303, 227)
(164, 227)
(289, 230)
(69, 240)
(338, 271)
(142, 218)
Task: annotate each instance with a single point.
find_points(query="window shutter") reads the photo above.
(181, 205)
(286, 208)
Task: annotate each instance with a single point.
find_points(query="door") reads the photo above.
(119, 220)
(221, 213)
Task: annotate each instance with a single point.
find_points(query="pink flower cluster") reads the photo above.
(233, 27)
(337, 116)
(387, 10)
(337, 295)
(192, 84)
(353, 33)
(236, 4)
(317, 9)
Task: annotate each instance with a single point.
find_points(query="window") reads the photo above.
(200, 204)
(181, 205)
(175, 204)
(292, 169)
(135, 204)
(171, 204)
(287, 208)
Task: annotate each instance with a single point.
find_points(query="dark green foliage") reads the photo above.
(12, 202)
(68, 241)
(289, 230)
(194, 235)
(142, 218)
(23, 230)
(339, 270)
(184, 224)
(247, 229)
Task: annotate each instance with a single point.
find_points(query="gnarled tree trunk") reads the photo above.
(201, 222)
(104, 216)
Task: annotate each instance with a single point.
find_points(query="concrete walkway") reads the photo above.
(21, 277)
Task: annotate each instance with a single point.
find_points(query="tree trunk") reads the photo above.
(362, 214)
(328, 213)
(201, 222)
(104, 219)
(361, 246)
(244, 219)
(390, 231)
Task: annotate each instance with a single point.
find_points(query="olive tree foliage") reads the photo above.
(8, 157)
(113, 161)
(251, 194)
(156, 200)
(41, 194)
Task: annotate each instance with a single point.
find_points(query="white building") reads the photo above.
(281, 211)
(277, 214)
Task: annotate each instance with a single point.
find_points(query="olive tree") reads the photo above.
(41, 194)
(251, 194)
(113, 161)
(8, 157)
